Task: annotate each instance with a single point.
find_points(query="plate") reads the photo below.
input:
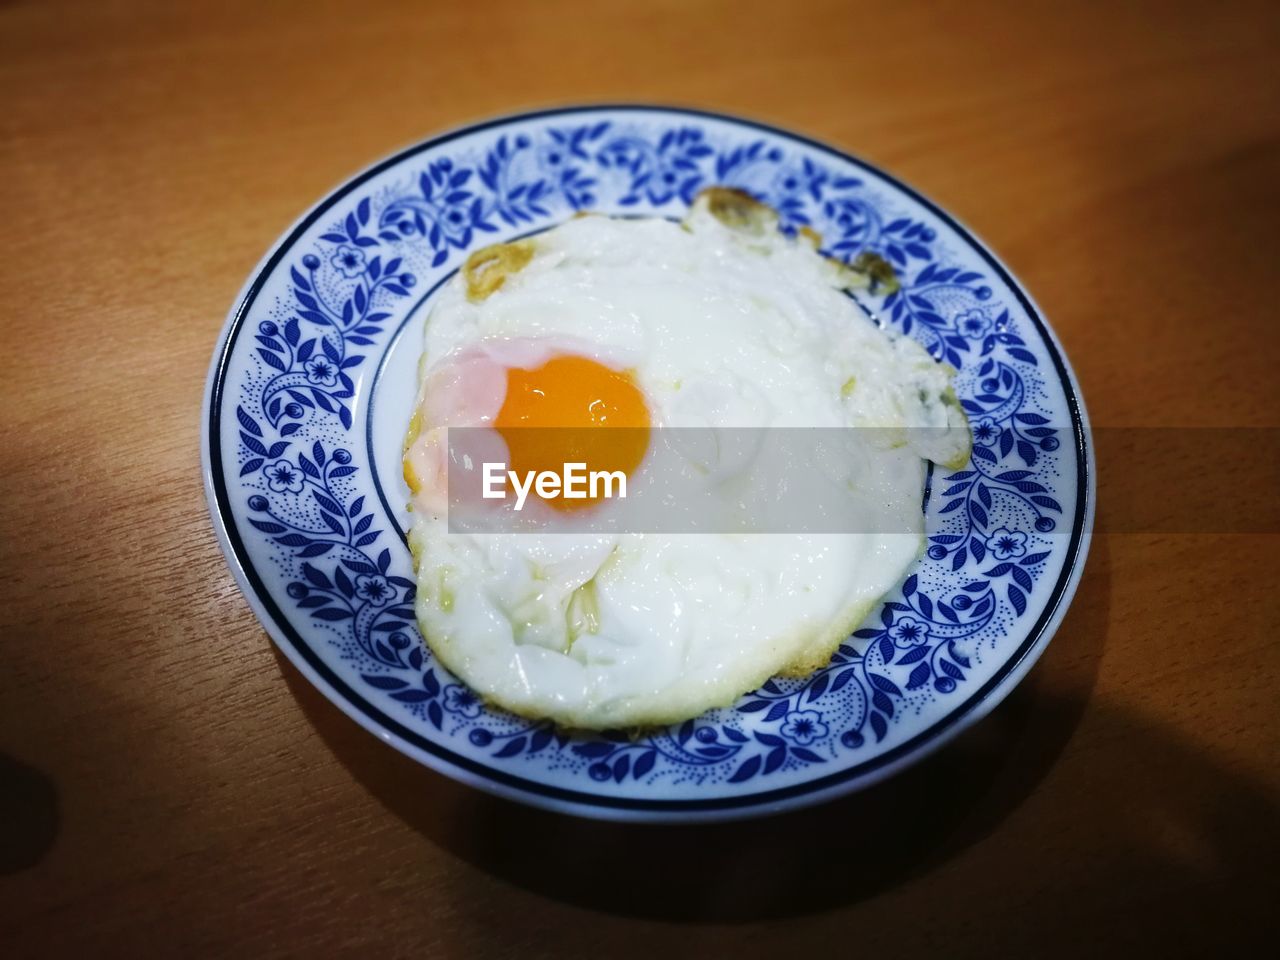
(310, 392)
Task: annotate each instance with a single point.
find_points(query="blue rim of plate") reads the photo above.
(563, 799)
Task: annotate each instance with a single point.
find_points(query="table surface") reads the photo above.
(169, 783)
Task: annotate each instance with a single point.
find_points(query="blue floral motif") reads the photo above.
(808, 178)
(1006, 544)
(939, 661)
(566, 156)
(460, 700)
(804, 727)
(908, 632)
(321, 370)
(984, 553)
(374, 589)
(918, 307)
(554, 154)
(348, 260)
(282, 476)
(310, 356)
(973, 324)
(986, 432)
(662, 171)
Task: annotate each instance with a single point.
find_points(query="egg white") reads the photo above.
(720, 328)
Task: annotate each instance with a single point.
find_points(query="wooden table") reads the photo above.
(170, 785)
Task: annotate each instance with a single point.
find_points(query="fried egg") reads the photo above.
(721, 321)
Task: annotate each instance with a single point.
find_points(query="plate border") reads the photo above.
(562, 799)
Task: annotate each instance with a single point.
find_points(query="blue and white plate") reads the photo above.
(309, 396)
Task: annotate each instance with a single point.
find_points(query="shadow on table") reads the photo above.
(841, 852)
(29, 815)
(749, 870)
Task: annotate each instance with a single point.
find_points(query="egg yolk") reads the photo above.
(553, 415)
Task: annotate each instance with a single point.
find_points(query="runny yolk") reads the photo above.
(552, 415)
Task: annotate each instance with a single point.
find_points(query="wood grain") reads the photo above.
(169, 785)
